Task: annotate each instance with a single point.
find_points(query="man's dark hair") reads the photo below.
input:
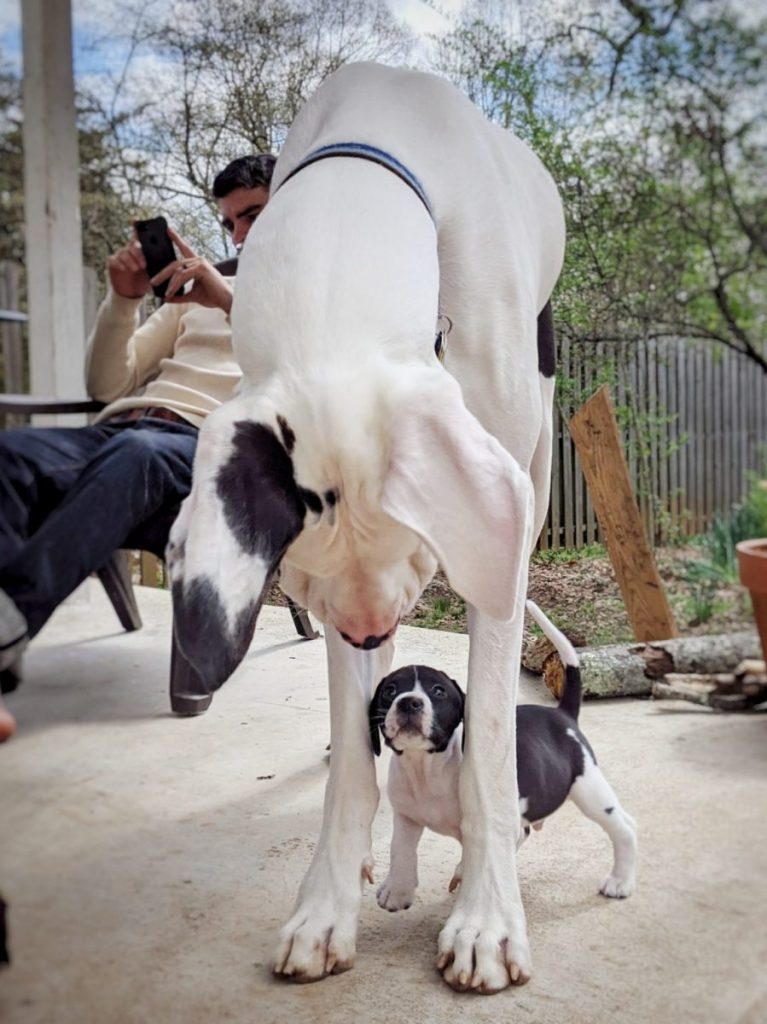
(244, 172)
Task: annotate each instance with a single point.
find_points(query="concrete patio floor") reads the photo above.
(149, 861)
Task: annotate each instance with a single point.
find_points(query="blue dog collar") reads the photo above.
(364, 152)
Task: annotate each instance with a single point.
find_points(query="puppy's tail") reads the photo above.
(570, 702)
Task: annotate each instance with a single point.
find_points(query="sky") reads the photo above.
(93, 19)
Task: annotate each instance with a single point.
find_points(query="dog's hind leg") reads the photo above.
(320, 937)
(398, 891)
(594, 795)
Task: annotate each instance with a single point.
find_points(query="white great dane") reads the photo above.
(356, 461)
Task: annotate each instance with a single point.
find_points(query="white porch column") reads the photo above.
(51, 200)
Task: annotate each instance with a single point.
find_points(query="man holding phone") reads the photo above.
(69, 497)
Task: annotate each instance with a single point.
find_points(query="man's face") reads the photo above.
(239, 210)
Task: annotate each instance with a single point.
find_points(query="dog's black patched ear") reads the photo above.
(258, 492)
(244, 511)
(374, 713)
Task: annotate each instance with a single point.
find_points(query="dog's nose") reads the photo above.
(410, 705)
(370, 642)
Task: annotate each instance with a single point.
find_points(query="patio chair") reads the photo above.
(187, 693)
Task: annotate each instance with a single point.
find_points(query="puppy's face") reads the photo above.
(416, 708)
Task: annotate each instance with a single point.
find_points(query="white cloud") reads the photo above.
(426, 17)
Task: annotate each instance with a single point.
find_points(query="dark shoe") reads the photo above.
(13, 632)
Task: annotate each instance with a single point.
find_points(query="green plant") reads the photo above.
(703, 579)
(560, 556)
(745, 520)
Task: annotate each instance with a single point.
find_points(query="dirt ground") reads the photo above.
(581, 595)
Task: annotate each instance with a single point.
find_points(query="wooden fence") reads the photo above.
(693, 417)
(694, 422)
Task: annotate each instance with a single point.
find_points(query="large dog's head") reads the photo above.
(358, 487)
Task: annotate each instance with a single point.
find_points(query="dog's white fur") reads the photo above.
(336, 301)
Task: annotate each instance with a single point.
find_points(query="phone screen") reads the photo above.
(157, 248)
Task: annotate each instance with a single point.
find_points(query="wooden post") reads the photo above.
(150, 569)
(51, 204)
(595, 432)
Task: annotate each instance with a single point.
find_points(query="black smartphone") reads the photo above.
(157, 248)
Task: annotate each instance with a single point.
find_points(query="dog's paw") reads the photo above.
(314, 944)
(617, 888)
(393, 895)
(482, 957)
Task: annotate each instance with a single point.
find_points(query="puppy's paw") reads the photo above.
(617, 888)
(394, 895)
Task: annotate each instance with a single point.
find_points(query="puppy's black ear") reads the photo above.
(462, 695)
(460, 692)
(375, 736)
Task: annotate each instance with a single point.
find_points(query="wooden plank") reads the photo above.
(664, 443)
(654, 411)
(150, 568)
(699, 461)
(554, 516)
(743, 410)
(595, 432)
(707, 406)
(568, 510)
(12, 333)
(680, 483)
(587, 504)
(586, 380)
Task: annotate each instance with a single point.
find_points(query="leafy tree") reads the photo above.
(650, 119)
(228, 78)
(11, 168)
(106, 212)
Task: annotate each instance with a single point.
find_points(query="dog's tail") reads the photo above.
(570, 701)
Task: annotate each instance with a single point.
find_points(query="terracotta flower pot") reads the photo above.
(752, 562)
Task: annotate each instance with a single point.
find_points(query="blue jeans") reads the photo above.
(71, 496)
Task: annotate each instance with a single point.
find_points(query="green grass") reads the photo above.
(558, 556)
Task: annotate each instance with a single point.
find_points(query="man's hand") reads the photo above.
(209, 287)
(127, 271)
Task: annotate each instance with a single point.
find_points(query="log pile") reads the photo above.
(741, 690)
(623, 670)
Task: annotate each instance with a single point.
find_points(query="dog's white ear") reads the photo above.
(459, 489)
(243, 512)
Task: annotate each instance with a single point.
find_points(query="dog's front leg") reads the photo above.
(320, 937)
(398, 891)
(483, 945)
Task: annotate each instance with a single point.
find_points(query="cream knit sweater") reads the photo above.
(180, 358)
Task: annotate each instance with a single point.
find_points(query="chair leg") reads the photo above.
(301, 621)
(116, 579)
(188, 696)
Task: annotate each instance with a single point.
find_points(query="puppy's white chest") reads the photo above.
(427, 795)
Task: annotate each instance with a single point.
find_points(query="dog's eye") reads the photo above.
(390, 692)
(438, 691)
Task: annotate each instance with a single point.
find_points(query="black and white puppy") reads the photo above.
(419, 711)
